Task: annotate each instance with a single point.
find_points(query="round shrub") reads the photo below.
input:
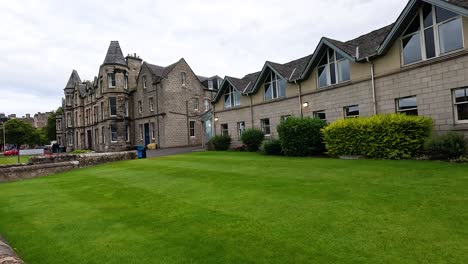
(301, 136)
(272, 147)
(390, 136)
(445, 147)
(252, 139)
(219, 143)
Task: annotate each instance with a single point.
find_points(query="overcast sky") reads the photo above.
(43, 41)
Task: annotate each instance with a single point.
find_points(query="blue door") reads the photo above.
(147, 136)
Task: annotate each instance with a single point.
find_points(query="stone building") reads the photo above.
(40, 119)
(417, 65)
(132, 102)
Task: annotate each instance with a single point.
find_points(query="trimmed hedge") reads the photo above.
(391, 136)
(446, 147)
(301, 136)
(219, 143)
(272, 147)
(252, 139)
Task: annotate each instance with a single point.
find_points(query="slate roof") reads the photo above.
(293, 69)
(73, 80)
(368, 43)
(460, 3)
(114, 55)
(246, 83)
(160, 71)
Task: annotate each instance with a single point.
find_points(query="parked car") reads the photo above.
(11, 152)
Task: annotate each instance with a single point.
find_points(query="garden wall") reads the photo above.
(47, 165)
(7, 255)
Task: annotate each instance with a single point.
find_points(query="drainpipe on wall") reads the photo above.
(188, 125)
(374, 100)
(299, 88)
(251, 111)
(157, 115)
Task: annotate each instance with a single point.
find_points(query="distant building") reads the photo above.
(27, 119)
(40, 119)
(132, 102)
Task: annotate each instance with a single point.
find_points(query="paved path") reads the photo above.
(171, 151)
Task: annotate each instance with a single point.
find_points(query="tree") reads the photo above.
(20, 133)
(50, 129)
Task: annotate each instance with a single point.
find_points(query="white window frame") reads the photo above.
(110, 80)
(456, 104)
(153, 130)
(264, 126)
(126, 82)
(435, 26)
(183, 78)
(240, 128)
(315, 114)
(141, 131)
(116, 136)
(127, 133)
(110, 107)
(353, 116)
(192, 129)
(234, 97)
(151, 104)
(225, 130)
(196, 105)
(328, 69)
(402, 111)
(143, 79)
(274, 79)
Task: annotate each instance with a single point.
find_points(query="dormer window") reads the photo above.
(111, 80)
(231, 97)
(275, 87)
(433, 32)
(210, 84)
(332, 69)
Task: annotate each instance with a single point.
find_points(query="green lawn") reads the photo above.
(13, 159)
(212, 207)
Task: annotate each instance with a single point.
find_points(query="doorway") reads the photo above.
(147, 135)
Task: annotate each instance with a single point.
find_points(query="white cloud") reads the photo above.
(45, 40)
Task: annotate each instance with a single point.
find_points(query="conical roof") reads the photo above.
(73, 80)
(114, 54)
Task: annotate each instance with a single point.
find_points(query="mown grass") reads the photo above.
(232, 207)
(13, 159)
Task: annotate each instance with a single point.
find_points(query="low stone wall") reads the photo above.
(47, 165)
(7, 255)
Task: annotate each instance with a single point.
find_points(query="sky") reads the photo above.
(42, 41)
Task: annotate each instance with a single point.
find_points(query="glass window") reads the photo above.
(320, 115)
(210, 84)
(224, 129)
(126, 108)
(285, 117)
(113, 130)
(151, 104)
(351, 111)
(127, 133)
(195, 104)
(103, 135)
(240, 128)
(333, 69)
(113, 106)
(140, 107)
(183, 77)
(141, 131)
(126, 82)
(266, 126)
(432, 25)
(207, 104)
(407, 105)
(153, 130)
(275, 87)
(111, 80)
(192, 128)
(461, 104)
(450, 36)
(231, 97)
(144, 82)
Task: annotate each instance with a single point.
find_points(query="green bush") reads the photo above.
(391, 136)
(219, 143)
(446, 147)
(252, 139)
(301, 136)
(272, 147)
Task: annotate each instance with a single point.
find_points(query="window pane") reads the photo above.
(332, 73)
(227, 100)
(281, 88)
(324, 60)
(338, 56)
(113, 107)
(430, 45)
(343, 71)
(352, 111)
(442, 14)
(407, 103)
(450, 36)
(462, 111)
(415, 26)
(274, 88)
(461, 95)
(323, 78)
(320, 115)
(412, 49)
(268, 91)
(331, 55)
(427, 15)
(237, 98)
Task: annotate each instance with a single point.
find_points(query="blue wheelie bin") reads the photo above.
(141, 152)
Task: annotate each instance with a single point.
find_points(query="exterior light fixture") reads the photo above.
(216, 119)
(306, 104)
